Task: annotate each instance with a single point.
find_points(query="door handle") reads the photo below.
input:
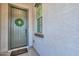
(25, 30)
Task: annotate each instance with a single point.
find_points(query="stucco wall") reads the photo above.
(4, 24)
(61, 30)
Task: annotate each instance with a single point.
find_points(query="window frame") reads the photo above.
(39, 20)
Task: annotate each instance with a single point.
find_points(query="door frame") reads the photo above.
(9, 18)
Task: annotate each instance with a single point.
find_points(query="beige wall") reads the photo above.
(4, 24)
(0, 26)
(4, 27)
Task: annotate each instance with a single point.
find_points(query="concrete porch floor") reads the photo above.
(31, 52)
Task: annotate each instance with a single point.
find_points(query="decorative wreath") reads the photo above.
(19, 22)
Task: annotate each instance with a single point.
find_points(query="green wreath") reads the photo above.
(19, 22)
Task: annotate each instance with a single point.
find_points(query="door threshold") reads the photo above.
(17, 49)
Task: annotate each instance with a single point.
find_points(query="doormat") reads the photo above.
(18, 52)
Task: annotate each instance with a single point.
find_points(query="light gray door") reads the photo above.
(18, 28)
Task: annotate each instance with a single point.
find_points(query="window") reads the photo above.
(38, 7)
(39, 17)
(39, 25)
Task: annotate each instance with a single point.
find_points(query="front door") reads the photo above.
(18, 28)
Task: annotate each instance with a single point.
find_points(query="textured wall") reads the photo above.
(61, 30)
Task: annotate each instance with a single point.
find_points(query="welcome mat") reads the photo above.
(17, 52)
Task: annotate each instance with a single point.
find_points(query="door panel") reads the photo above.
(18, 35)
